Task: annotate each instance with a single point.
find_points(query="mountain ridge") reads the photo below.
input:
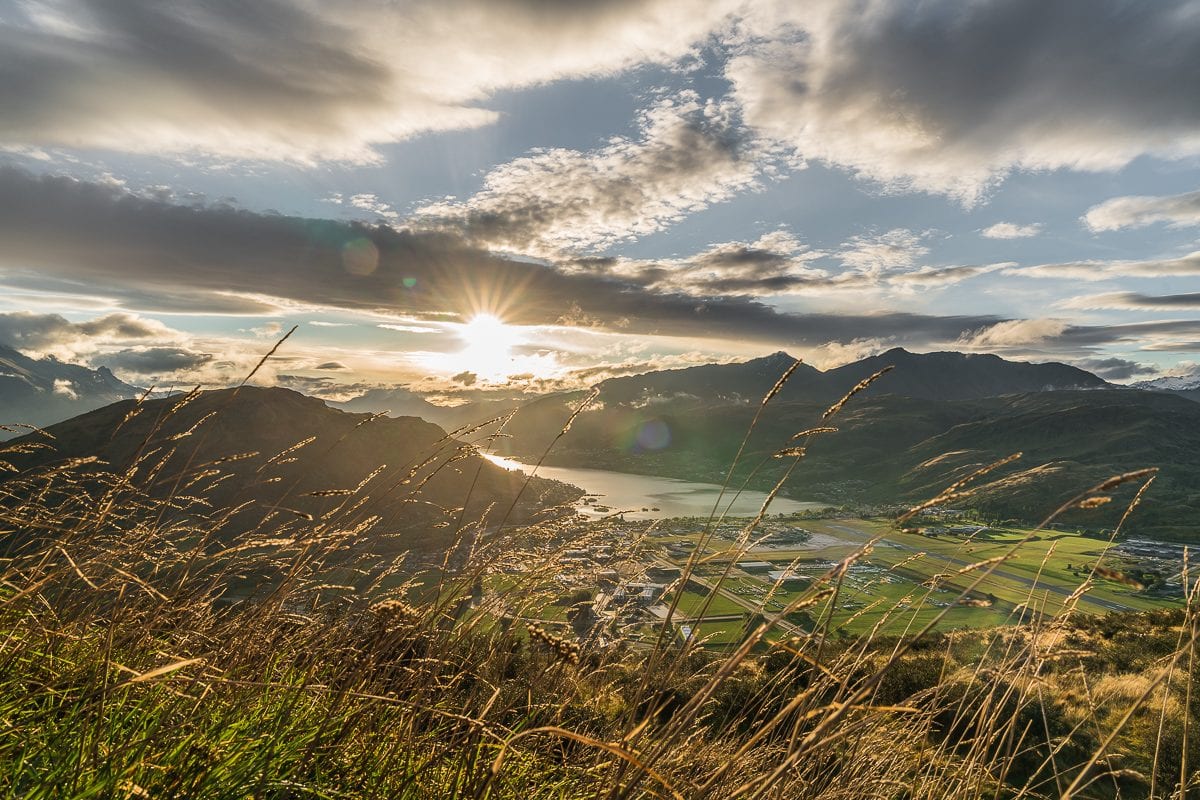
(44, 391)
(279, 451)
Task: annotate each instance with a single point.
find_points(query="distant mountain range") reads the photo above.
(395, 401)
(934, 376)
(42, 392)
(1183, 385)
(416, 483)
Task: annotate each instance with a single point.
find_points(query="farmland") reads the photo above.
(714, 585)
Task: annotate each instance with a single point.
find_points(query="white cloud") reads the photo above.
(390, 326)
(1181, 266)
(39, 335)
(896, 249)
(1139, 211)
(1011, 230)
(64, 387)
(370, 202)
(836, 354)
(689, 155)
(1013, 333)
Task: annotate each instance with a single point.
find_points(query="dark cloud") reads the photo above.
(161, 300)
(153, 360)
(1136, 301)
(1059, 339)
(1116, 369)
(99, 236)
(466, 378)
(949, 96)
(331, 365)
(42, 332)
(288, 79)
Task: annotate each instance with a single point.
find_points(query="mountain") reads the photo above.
(935, 376)
(270, 449)
(41, 392)
(702, 389)
(940, 376)
(930, 421)
(1183, 385)
(395, 401)
(960, 376)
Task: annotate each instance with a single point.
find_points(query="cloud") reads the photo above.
(331, 365)
(935, 277)
(1134, 301)
(778, 263)
(835, 354)
(1185, 346)
(100, 236)
(1013, 333)
(1181, 266)
(1139, 211)
(1115, 369)
(876, 253)
(302, 81)
(689, 155)
(158, 298)
(370, 202)
(465, 378)
(775, 263)
(393, 326)
(1011, 230)
(1043, 339)
(51, 334)
(156, 361)
(949, 97)
(66, 388)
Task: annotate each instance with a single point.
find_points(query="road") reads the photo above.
(750, 606)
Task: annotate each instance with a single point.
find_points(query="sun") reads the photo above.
(487, 346)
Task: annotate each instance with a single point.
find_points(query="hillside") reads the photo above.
(271, 452)
(893, 449)
(42, 392)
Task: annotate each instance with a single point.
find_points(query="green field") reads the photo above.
(909, 579)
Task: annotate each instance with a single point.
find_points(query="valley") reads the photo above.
(724, 582)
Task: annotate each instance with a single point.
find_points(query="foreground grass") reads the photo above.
(148, 651)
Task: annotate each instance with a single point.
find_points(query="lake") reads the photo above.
(651, 497)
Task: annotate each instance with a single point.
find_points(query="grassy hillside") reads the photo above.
(124, 673)
(128, 669)
(242, 459)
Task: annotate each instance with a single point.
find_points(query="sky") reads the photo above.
(465, 196)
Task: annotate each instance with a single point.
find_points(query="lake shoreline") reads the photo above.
(640, 496)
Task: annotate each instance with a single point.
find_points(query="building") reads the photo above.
(788, 580)
(660, 573)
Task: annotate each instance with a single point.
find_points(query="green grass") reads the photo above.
(1041, 557)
